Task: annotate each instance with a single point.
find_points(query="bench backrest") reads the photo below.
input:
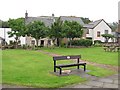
(66, 57)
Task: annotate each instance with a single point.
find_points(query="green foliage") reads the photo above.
(55, 31)
(18, 28)
(97, 43)
(5, 24)
(107, 36)
(72, 30)
(114, 26)
(86, 20)
(0, 24)
(37, 30)
(82, 42)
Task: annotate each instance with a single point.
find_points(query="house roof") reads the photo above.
(72, 18)
(92, 24)
(47, 20)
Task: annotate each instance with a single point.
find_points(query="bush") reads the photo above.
(24, 46)
(63, 45)
(82, 42)
(97, 43)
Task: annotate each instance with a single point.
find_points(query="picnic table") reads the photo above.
(111, 48)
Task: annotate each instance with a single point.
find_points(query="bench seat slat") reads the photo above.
(69, 65)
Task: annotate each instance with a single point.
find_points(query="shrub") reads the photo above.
(24, 46)
(82, 42)
(97, 43)
(63, 45)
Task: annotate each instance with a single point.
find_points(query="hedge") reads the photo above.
(82, 42)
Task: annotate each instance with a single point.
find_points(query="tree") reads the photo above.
(4, 24)
(0, 23)
(86, 20)
(18, 28)
(55, 31)
(114, 26)
(72, 30)
(107, 37)
(37, 30)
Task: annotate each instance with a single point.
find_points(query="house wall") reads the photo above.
(4, 34)
(90, 33)
(102, 26)
(30, 39)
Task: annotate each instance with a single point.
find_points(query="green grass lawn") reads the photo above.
(32, 68)
(93, 54)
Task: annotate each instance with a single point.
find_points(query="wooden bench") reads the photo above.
(77, 57)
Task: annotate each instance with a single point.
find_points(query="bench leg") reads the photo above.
(60, 71)
(78, 67)
(54, 69)
(84, 67)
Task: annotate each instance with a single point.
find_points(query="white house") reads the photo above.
(5, 36)
(95, 29)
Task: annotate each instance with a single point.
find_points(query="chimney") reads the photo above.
(26, 15)
(53, 15)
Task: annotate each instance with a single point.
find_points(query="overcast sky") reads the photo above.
(93, 9)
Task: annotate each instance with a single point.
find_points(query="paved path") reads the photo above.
(94, 82)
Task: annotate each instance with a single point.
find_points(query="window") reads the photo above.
(106, 31)
(87, 31)
(98, 34)
(49, 42)
(33, 42)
